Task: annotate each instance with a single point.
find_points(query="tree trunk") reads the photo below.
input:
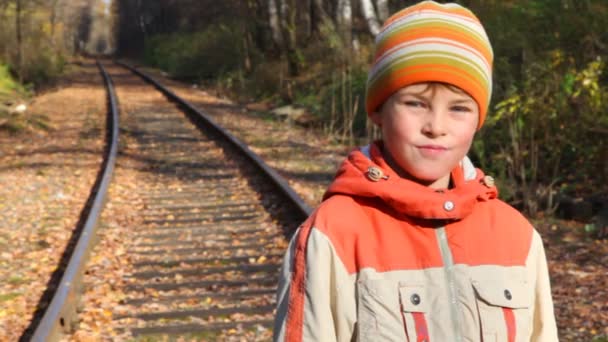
(19, 40)
(323, 24)
(382, 6)
(320, 17)
(367, 9)
(141, 18)
(308, 18)
(344, 18)
(53, 19)
(288, 29)
(273, 21)
(247, 30)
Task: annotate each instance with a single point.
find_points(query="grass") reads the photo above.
(11, 93)
(5, 297)
(7, 84)
(18, 122)
(16, 280)
(267, 116)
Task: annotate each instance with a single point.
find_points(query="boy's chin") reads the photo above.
(429, 172)
(428, 178)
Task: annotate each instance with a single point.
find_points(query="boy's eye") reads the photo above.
(413, 103)
(461, 109)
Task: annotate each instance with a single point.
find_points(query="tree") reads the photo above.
(18, 34)
(322, 20)
(383, 12)
(556, 75)
(274, 22)
(369, 14)
(344, 18)
(288, 30)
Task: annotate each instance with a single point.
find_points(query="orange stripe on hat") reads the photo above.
(474, 44)
(429, 73)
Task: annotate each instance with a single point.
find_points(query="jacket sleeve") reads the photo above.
(544, 327)
(315, 298)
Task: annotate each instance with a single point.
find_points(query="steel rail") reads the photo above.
(302, 207)
(61, 312)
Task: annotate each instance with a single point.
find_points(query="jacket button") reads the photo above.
(508, 294)
(415, 298)
(448, 205)
(375, 174)
(488, 181)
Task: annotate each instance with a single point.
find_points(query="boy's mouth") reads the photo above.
(432, 150)
(433, 147)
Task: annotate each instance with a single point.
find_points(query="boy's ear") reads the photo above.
(376, 118)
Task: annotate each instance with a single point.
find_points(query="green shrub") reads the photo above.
(265, 80)
(199, 55)
(7, 84)
(11, 93)
(43, 68)
(343, 97)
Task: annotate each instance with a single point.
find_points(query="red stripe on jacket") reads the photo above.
(511, 326)
(295, 309)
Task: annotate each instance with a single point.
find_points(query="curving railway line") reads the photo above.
(211, 235)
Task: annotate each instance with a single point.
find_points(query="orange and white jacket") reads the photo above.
(387, 259)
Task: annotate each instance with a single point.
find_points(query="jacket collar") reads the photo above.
(366, 174)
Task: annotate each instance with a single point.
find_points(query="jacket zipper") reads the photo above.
(448, 266)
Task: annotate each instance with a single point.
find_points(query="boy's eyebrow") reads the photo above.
(463, 100)
(418, 95)
(423, 97)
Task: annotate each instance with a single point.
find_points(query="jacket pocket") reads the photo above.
(415, 305)
(379, 315)
(504, 308)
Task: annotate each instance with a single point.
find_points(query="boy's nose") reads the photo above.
(434, 124)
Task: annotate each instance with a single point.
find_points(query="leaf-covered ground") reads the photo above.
(578, 265)
(45, 179)
(45, 176)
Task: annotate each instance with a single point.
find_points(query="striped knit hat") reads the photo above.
(431, 42)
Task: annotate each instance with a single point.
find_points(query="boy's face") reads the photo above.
(427, 129)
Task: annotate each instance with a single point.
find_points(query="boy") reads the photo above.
(411, 242)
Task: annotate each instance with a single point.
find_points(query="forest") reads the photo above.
(39, 37)
(546, 136)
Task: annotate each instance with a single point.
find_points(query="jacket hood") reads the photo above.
(365, 174)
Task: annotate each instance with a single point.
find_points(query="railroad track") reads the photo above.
(208, 248)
